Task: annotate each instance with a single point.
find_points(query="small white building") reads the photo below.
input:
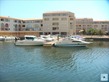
(10, 24)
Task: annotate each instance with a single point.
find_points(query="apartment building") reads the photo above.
(14, 24)
(62, 22)
(10, 24)
(57, 22)
(33, 24)
(101, 25)
(87, 23)
(83, 23)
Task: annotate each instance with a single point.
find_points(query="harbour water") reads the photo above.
(53, 64)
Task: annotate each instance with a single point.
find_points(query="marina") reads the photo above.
(54, 41)
(53, 64)
(48, 40)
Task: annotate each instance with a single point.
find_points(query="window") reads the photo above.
(55, 28)
(63, 18)
(55, 14)
(2, 19)
(37, 21)
(79, 25)
(102, 25)
(71, 18)
(75, 41)
(95, 25)
(19, 21)
(55, 23)
(15, 20)
(6, 25)
(64, 14)
(41, 25)
(2, 26)
(30, 38)
(23, 25)
(23, 21)
(55, 19)
(19, 25)
(63, 33)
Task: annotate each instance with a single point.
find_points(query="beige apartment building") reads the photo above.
(62, 22)
(101, 25)
(57, 22)
(87, 23)
(83, 23)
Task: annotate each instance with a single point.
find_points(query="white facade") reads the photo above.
(101, 25)
(13, 24)
(34, 24)
(59, 23)
(10, 24)
(87, 23)
(84, 23)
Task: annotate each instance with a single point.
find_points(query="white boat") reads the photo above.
(9, 38)
(30, 40)
(2, 38)
(72, 41)
(47, 38)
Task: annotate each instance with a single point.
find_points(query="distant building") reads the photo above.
(14, 24)
(87, 23)
(101, 25)
(61, 22)
(10, 24)
(83, 23)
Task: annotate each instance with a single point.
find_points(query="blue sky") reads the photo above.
(96, 9)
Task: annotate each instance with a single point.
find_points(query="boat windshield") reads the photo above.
(30, 38)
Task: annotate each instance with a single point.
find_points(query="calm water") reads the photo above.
(53, 64)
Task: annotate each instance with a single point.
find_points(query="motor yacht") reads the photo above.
(72, 41)
(30, 40)
(47, 38)
(2, 38)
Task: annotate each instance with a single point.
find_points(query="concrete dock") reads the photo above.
(98, 38)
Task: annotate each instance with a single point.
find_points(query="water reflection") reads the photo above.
(29, 48)
(104, 44)
(53, 64)
(60, 57)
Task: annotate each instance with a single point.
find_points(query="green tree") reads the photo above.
(100, 32)
(91, 31)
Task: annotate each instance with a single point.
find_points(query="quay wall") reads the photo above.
(98, 38)
(18, 33)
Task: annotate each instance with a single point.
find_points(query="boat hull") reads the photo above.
(27, 43)
(70, 45)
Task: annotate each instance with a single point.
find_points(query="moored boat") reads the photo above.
(47, 38)
(30, 40)
(72, 41)
(2, 38)
(9, 38)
